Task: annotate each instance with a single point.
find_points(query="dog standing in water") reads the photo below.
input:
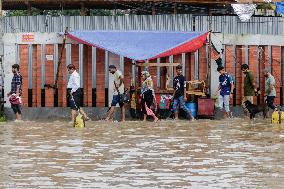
(254, 109)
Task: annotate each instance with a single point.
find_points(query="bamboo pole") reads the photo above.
(60, 58)
(55, 86)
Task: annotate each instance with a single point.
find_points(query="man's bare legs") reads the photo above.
(18, 116)
(153, 116)
(176, 115)
(122, 113)
(110, 113)
(73, 115)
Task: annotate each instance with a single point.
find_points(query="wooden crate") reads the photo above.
(196, 87)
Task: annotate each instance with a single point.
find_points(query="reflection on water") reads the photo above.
(205, 154)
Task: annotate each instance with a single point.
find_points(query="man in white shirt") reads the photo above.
(75, 93)
(118, 86)
(270, 91)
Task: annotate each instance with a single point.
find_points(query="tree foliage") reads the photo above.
(35, 12)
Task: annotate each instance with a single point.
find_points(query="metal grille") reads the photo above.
(179, 22)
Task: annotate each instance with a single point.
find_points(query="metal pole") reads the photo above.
(258, 73)
(209, 48)
(209, 64)
(0, 8)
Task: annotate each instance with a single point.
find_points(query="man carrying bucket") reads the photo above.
(226, 88)
(75, 93)
(180, 93)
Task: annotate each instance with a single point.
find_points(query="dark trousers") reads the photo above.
(16, 108)
(147, 98)
(270, 102)
(75, 102)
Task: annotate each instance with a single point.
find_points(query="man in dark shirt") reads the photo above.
(16, 90)
(179, 93)
(249, 86)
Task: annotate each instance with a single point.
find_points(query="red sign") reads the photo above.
(28, 38)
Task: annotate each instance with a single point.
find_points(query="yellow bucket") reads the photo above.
(79, 121)
(276, 119)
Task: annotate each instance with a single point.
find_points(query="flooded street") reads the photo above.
(234, 153)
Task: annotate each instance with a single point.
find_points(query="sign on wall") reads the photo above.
(28, 38)
(49, 57)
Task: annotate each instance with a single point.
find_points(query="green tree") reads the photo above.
(35, 12)
(22, 12)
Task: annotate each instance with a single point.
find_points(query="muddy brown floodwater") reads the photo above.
(233, 153)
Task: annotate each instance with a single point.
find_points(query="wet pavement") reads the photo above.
(234, 153)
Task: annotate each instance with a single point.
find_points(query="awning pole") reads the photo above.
(209, 65)
(210, 48)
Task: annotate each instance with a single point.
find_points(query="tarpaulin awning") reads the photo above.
(280, 7)
(142, 45)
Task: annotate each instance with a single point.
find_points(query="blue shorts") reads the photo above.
(115, 101)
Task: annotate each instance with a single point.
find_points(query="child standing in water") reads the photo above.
(226, 88)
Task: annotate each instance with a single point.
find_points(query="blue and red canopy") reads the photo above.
(142, 45)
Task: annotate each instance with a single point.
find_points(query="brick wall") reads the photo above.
(230, 67)
(35, 75)
(202, 64)
(24, 51)
(38, 78)
(88, 71)
(62, 83)
(255, 66)
(100, 77)
(87, 74)
(275, 70)
(187, 66)
(49, 76)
